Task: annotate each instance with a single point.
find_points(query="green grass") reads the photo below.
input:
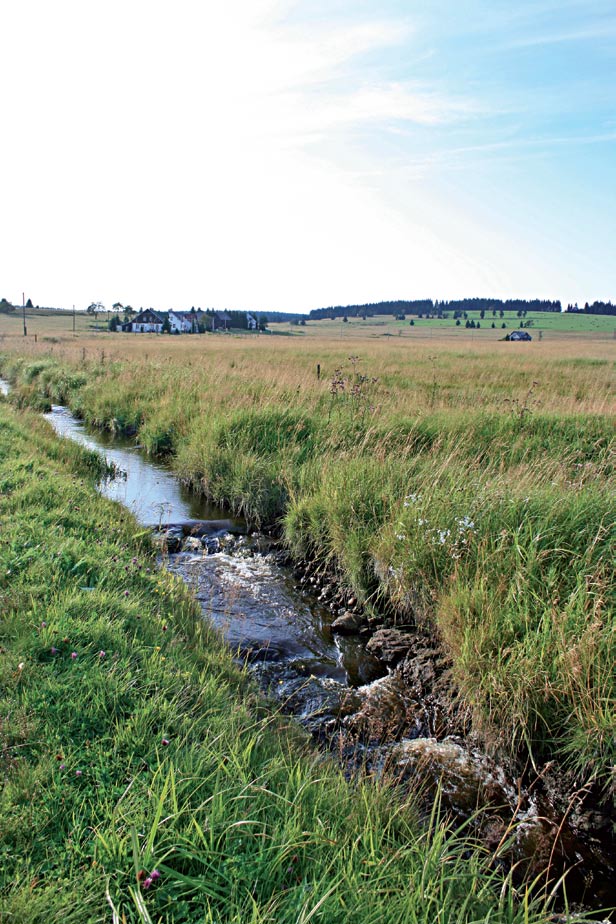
(383, 325)
(523, 602)
(129, 742)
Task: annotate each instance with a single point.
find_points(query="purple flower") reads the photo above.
(62, 766)
(77, 772)
(43, 625)
(154, 875)
(73, 655)
(54, 650)
(126, 593)
(147, 882)
(165, 741)
(101, 654)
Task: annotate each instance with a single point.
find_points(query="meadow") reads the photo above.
(460, 483)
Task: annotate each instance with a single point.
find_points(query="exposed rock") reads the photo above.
(168, 541)
(192, 544)
(390, 645)
(385, 712)
(347, 624)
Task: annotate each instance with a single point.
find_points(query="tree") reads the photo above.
(128, 312)
(263, 322)
(94, 308)
(113, 323)
(166, 328)
(118, 306)
(29, 303)
(5, 306)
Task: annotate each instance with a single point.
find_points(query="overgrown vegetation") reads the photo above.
(142, 779)
(473, 493)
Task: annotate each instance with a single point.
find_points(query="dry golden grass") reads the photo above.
(428, 370)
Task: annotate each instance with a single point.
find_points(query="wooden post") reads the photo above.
(318, 371)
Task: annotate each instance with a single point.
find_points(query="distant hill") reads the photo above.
(436, 308)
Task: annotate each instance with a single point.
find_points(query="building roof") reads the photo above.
(148, 314)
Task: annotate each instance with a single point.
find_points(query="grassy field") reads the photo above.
(142, 779)
(547, 324)
(463, 483)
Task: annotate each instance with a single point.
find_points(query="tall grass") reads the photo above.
(377, 469)
(143, 779)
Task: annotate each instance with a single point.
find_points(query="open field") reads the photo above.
(463, 484)
(142, 778)
(544, 323)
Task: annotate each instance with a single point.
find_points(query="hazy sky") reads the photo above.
(291, 155)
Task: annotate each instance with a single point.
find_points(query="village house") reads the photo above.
(187, 322)
(145, 322)
(221, 320)
(519, 335)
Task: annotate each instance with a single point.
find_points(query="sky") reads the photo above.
(271, 154)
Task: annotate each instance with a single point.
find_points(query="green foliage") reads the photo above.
(129, 743)
(523, 603)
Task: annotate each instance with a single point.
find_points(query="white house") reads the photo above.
(251, 321)
(181, 321)
(146, 322)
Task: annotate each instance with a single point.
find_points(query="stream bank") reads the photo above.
(361, 706)
(380, 697)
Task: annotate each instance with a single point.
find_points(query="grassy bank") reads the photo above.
(453, 490)
(142, 779)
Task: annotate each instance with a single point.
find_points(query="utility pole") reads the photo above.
(73, 319)
(23, 308)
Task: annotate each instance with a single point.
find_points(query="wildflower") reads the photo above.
(62, 766)
(147, 882)
(73, 655)
(443, 535)
(20, 666)
(126, 593)
(101, 654)
(53, 650)
(78, 772)
(165, 741)
(154, 875)
(43, 625)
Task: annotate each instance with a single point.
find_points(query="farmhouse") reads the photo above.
(186, 322)
(221, 320)
(519, 335)
(147, 321)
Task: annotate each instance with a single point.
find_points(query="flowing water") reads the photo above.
(326, 680)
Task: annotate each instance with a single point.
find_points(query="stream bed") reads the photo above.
(283, 633)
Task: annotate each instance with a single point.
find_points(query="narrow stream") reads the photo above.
(327, 680)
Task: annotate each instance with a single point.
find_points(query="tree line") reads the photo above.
(595, 308)
(429, 308)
